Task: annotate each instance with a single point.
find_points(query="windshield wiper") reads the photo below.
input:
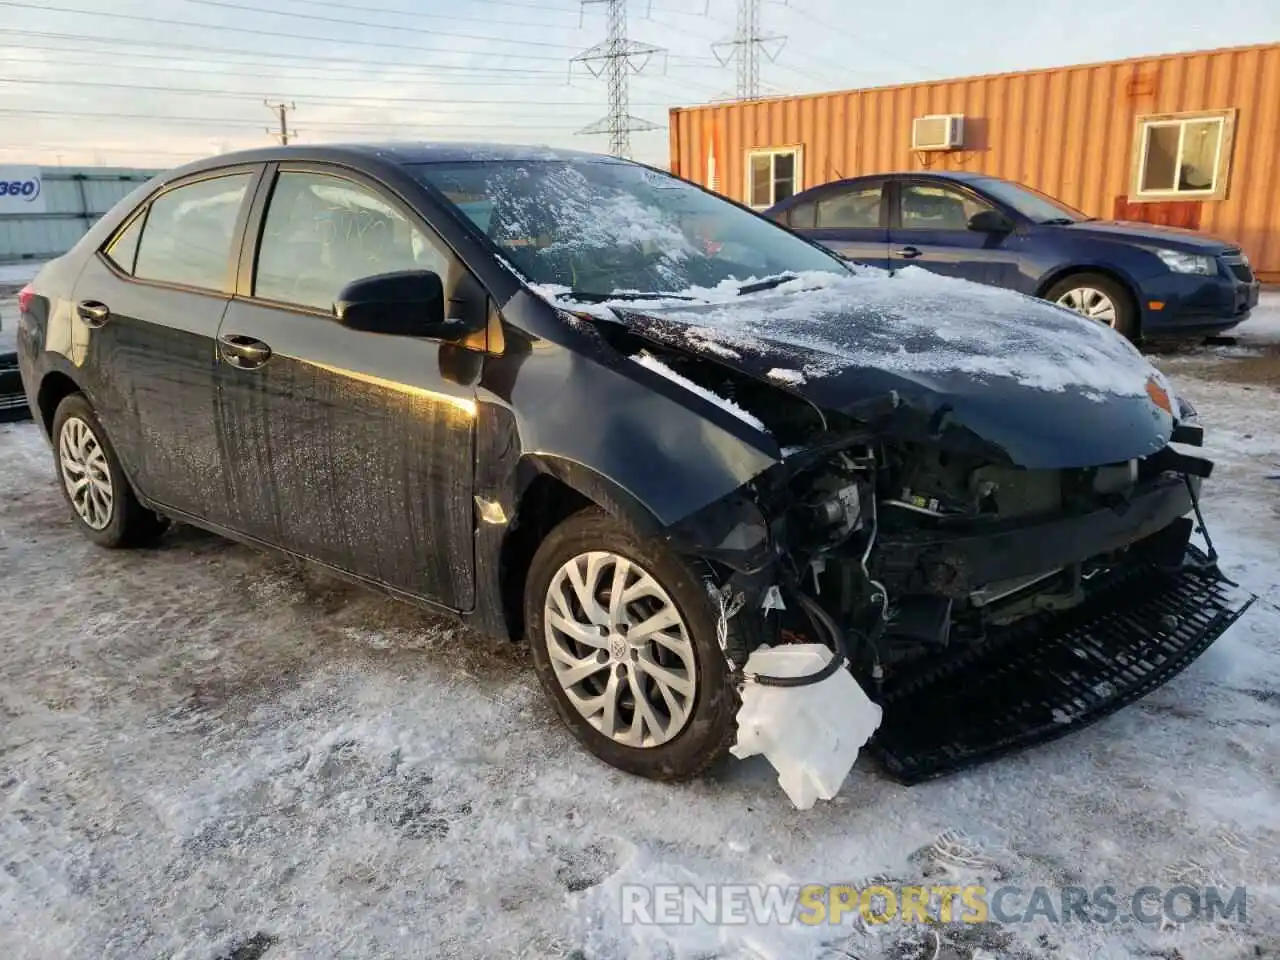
(1058, 222)
(766, 284)
(589, 296)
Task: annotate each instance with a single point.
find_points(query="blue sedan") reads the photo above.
(1143, 280)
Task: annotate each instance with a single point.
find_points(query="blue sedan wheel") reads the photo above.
(1098, 297)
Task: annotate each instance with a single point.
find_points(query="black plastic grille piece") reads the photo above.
(13, 402)
(1049, 675)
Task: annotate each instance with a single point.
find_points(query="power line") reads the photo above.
(426, 14)
(617, 57)
(204, 48)
(225, 4)
(369, 100)
(335, 125)
(288, 72)
(862, 41)
(137, 18)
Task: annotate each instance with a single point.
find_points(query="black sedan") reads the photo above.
(577, 400)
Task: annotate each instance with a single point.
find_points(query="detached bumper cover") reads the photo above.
(1049, 675)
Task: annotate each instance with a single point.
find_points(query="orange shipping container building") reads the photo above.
(1108, 138)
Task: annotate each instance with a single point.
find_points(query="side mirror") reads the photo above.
(408, 303)
(990, 221)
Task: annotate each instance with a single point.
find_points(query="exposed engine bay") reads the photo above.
(981, 593)
(907, 547)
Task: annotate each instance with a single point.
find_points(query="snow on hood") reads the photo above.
(912, 322)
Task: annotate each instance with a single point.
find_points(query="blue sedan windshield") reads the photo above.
(600, 226)
(1032, 204)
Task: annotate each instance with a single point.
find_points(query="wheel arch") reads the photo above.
(552, 489)
(54, 387)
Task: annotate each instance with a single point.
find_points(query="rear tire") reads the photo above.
(1099, 298)
(598, 664)
(93, 483)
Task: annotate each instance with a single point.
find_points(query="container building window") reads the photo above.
(1182, 156)
(772, 176)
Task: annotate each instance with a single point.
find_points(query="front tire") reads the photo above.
(93, 482)
(623, 637)
(1098, 298)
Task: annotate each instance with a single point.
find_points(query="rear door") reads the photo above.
(929, 227)
(148, 308)
(850, 219)
(351, 448)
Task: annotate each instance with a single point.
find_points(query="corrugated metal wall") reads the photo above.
(1067, 131)
(75, 197)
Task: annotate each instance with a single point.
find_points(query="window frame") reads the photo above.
(143, 210)
(1222, 162)
(797, 152)
(955, 186)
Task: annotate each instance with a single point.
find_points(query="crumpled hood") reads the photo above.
(1047, 387)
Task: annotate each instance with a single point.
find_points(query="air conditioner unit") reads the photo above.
(938, 131)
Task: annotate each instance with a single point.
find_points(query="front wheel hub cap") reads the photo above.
(620, 649)
(1090, 302)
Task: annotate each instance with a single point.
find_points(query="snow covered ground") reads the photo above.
(206, 753)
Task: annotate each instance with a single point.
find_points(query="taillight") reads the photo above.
(25, 296)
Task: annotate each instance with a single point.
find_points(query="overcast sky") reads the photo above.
(158, 82)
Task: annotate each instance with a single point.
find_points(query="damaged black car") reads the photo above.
(735, 494)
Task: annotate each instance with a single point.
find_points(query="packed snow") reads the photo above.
(911, 321)
(208, 753)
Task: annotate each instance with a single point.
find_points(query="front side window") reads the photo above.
(772, 176)
(321, 233)
(602, 226)
(854, 208)
(1182, 156)
(924, 206)
(189, 232)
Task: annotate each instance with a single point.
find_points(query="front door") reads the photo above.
(351, 448)
(929, 228)
(149, 306)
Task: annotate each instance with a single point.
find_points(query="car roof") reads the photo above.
(398, 152)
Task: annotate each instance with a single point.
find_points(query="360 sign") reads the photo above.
(21, 191)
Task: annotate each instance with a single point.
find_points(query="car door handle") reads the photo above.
(93, 313)
(243, 352)
(909, 253)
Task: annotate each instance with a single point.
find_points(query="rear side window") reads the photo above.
(800, 217)
(322, 232)
(857, 208)
(188, 234)
(124, 248)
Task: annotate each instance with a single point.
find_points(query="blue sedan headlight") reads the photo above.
(1180, 262)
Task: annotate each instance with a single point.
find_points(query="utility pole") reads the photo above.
(745, 48)
(617, 58)
(282, 109)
